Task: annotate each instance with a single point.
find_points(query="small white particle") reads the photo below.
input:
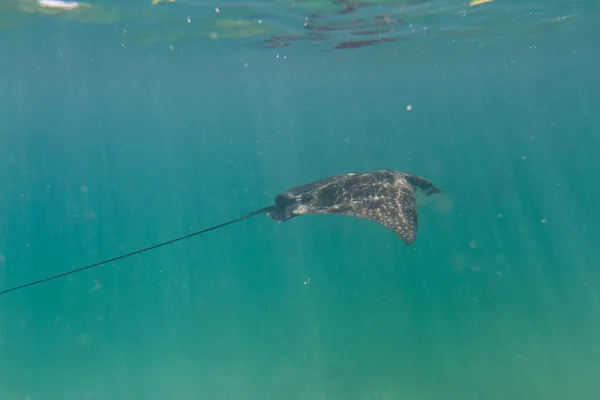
(408, 107)
(544, 220)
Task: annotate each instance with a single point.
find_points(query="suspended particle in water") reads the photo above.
(408, 107)
(97, 286)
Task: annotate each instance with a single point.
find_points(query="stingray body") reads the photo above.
(386, 197)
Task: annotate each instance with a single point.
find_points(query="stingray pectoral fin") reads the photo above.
(399, 216)
(407, 228)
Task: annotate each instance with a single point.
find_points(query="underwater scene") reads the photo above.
(299, 200)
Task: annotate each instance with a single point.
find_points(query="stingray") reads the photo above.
(389, 198)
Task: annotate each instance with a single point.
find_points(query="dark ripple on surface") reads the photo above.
(333, 24)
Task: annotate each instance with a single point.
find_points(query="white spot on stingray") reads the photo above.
(301, 209)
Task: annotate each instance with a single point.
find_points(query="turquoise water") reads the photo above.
(125, 125)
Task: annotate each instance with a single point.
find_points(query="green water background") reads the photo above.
(104, 150)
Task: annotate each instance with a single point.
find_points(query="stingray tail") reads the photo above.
(133, 253)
